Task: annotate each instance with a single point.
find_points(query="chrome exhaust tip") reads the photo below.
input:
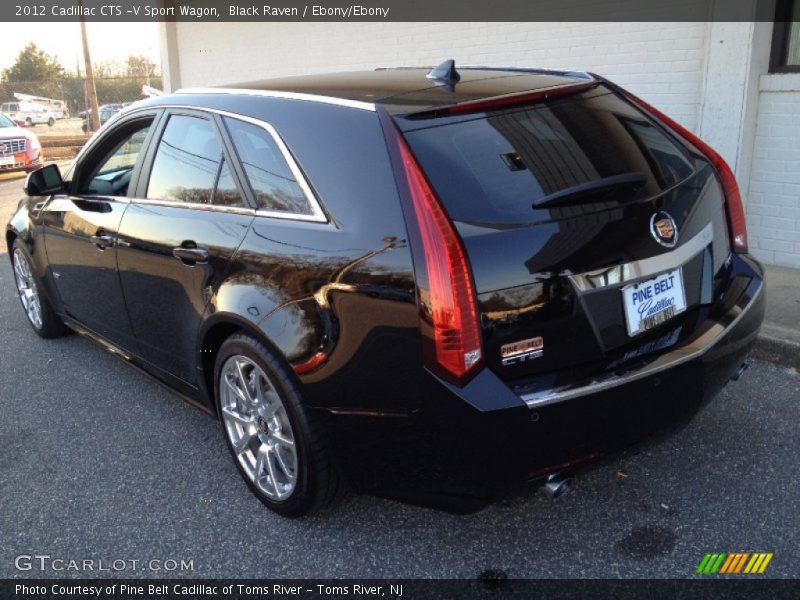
(557, 485)
(740, 371)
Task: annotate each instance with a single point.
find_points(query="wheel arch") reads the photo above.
(213, 333)
(11, 235)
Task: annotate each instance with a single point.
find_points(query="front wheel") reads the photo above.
(40, 313)
(277, 444)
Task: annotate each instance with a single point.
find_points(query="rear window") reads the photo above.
(501, 168)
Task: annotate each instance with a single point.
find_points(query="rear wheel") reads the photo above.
(37, 307)
(29, 122)
(51, 121)
(277, 444)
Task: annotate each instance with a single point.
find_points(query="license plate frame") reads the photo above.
(649, 303)
(7, 160)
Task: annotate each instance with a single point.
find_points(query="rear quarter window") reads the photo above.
(271, 179)
(501, 167)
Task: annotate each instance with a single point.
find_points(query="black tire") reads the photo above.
(51, 121)
(29, 122)
(318, 481)
(51, 324)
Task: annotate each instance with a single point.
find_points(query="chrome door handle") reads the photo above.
(102, 240)
(190, 256)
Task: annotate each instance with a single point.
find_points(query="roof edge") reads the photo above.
(285, 95)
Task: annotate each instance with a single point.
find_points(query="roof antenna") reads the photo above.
(445, 75)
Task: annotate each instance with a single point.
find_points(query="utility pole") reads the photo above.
(91, 90)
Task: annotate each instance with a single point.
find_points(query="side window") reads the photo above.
(188, 165)
(227, 194)
(267, 171)
(113, 175)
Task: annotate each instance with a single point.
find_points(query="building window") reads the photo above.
(785, 56)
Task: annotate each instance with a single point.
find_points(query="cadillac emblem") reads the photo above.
(663, 229)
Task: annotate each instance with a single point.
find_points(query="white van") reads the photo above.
(30, 112)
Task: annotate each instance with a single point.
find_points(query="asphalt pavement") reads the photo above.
(99, 463)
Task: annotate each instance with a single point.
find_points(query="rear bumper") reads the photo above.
(471, 444)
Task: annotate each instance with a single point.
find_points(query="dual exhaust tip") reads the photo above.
(740, 371)
(556, 485)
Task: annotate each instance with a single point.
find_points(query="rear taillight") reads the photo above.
(447, 294)
(733, 199)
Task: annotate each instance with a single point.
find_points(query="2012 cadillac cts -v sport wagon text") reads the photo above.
(428, 285)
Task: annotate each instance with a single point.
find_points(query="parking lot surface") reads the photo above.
(99, 463)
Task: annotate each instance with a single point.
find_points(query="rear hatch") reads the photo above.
(568, 207)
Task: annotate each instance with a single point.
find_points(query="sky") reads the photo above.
(64, 40)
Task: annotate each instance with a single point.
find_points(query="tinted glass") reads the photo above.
(187, 161)
(499, 169)
(6, 122)
(114, 173)
(793, 43)
(227, 194)
(273, 183)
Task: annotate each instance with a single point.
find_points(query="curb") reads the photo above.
(777, 350)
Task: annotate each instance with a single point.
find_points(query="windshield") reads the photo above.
(6, 122)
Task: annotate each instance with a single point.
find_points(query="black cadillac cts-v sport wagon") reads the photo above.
(428, 285)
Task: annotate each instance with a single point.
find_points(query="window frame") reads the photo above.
(318, 214)
(88, 161)
(144, 178)
(780, 38)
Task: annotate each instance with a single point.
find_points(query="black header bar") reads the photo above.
(741, 588)
(267, 11)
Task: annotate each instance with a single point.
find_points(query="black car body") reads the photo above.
(440, 266)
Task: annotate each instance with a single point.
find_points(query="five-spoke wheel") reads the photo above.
(41, 315)
(28, 290)
(258, 427)
(278, 444)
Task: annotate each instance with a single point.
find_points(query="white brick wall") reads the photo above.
(773, 210)
(662, 62)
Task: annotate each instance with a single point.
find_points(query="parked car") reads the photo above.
(432, 286)
(20, 150)
(29, 112)
(106, 111)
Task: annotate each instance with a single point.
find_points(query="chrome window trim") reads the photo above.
(239, 210)
(673, 358)
(317, 214)
(284, 95)
(619, 274)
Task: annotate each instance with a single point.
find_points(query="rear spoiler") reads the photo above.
(506, 100)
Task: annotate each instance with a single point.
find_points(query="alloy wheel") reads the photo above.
(28, 290)
(258, 427)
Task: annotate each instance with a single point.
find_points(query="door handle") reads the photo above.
(190, 254)
(102, 240)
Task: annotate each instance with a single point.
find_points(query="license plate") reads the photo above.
(652, 302)
(6, 160)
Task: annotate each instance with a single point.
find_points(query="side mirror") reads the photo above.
(44, 182)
